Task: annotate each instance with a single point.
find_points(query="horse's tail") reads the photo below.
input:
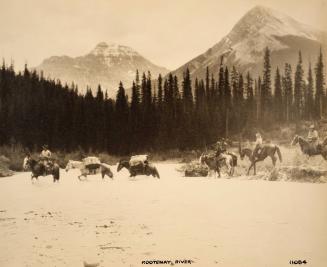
(234, 160)
(156, 173)
(105, 169)
(279, 153)
(56, 173)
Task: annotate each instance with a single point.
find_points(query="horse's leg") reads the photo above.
(273, 159)
(218, 171)
(229, 166)
(253, 164)
(250, 168)
(232, 169)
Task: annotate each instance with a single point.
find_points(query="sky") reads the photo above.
(167, 32)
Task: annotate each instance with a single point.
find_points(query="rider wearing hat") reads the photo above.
(313, 138)
(258, 145)
(45, 156)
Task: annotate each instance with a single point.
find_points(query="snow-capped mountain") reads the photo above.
(106, 64)
(259, 28)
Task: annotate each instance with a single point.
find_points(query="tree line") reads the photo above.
(162, 113)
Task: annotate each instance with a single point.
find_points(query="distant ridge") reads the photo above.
(107, 64)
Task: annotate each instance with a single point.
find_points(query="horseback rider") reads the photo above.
(221, 148)
(313, 139)
(45, 157)
(221, 151)
(258, 145)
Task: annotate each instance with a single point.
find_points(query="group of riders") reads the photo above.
(312, 139)
(141, 161)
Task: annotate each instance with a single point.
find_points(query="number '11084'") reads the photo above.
(298, 262)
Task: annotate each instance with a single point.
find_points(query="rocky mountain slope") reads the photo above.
(244, 46)
(106, 64)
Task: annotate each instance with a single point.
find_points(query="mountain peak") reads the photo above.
(113, 50)
(244, 46)
(107, 64)
(265, 21)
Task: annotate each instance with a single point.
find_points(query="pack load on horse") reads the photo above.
(312, 146)
(138, 165)
(195, 169)
(42, 167)
(90, 165)
(139, 161)
(260, 152)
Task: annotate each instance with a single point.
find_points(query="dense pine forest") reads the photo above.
(162, 113)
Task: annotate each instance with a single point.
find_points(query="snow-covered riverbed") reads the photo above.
(122, 222)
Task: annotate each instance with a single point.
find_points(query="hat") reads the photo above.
(312, 126)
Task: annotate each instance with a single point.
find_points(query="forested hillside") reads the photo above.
(173, 114)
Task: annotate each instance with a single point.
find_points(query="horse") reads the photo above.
(215, 162)
(267, 150)
(149, 169)
(307, 148)
(38, 168)
(104, 169)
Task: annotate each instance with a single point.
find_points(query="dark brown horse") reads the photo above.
(268, 150)
(308, 149)
(138, 169)
(39, 169)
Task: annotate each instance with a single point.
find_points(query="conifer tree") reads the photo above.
(299, 90)
(310, 109)
(320, 85)
(278, 97)
(266, 88)
(288, 91)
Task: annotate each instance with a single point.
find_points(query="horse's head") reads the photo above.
(120, 165)
(245, 152)
(29, 163)
(295, 140)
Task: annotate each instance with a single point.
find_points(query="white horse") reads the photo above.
(73, 164)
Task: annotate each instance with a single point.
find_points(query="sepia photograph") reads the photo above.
(163, 133)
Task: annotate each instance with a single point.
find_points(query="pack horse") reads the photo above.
(89, 166)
